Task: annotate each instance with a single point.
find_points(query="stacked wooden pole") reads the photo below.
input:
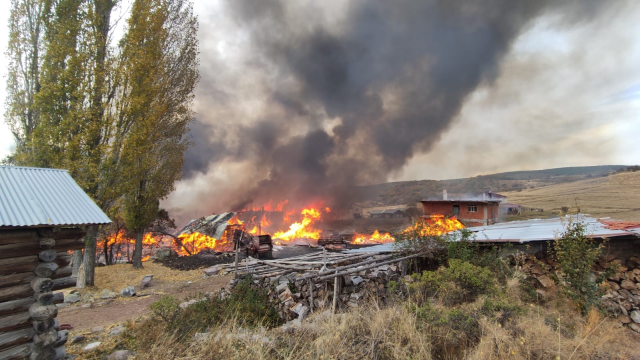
(33, 264)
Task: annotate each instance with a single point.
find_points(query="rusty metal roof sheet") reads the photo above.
(44, 197)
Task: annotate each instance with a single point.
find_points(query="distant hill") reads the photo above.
(405, 192)
(616, 196)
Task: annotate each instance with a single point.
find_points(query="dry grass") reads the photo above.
(617, 196)
(395, 333)
(117, 277)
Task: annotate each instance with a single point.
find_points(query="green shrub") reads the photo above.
(250, 307)
(576, 254)
(452, 329)
(166, 308)
(460, 282)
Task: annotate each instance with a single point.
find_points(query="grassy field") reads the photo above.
(616, 196)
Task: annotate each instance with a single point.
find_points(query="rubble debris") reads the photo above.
(107, 294)
(307, 283)
(117, 330)
(129, 291)
(92, 346)
(120, 355)
(72, 298)
(146, 281)
(97, 329)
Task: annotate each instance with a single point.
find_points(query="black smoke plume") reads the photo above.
(347, 95)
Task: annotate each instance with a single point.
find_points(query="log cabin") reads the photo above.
(43, 217)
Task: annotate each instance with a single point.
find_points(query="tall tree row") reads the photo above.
(115, 116)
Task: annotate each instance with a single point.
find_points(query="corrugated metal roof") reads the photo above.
(36, 196)
(543, 230)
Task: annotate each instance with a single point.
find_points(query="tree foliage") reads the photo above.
(117, 116)
(158, 73)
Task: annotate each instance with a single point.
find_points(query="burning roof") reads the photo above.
(212, 225)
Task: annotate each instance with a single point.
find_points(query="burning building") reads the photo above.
(471, 211)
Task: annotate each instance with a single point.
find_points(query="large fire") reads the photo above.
(197, 242)
(295, 225)
(435, 225)
(304, 228)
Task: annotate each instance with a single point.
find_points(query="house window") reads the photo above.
(473, 208)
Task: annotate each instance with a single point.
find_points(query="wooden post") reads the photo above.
(335, 293)
(311, 295)
(237, 251)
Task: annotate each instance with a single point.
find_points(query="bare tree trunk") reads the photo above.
(137, 252)
(76, 261)
(89, 261)
(80, 281)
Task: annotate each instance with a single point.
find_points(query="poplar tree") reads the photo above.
(24, 52)
(158, 74)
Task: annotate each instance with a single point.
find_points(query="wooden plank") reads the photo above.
(16, 337)
(17, 236)
(16, 352)
(20, 249)
(356, 268)
(15, 292)
(15, 321)
(18, 264)
(14, 306)
(16, 279)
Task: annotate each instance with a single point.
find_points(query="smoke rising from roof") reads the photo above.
(310, 98)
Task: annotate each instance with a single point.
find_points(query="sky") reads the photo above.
(565, 92)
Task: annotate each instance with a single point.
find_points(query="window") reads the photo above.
(473, 208)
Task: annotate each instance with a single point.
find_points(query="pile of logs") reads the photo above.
(622, 298)
(302, 284)
(33, 264)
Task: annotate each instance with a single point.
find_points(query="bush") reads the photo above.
(249, 307)
(166, 308)
(576, 254)
(458, 283)
(452, 330)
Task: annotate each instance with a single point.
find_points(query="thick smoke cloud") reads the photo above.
(346, 97)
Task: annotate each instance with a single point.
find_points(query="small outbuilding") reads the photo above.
(43, 213)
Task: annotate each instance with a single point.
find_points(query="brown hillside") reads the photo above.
(617, 196)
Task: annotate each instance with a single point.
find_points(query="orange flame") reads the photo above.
(302, 229)
(197, 242)
(146, 258)
(375, 238)
(435, 225)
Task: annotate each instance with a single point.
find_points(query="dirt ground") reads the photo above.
(114, 278)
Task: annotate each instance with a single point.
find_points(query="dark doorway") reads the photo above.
(456, 210)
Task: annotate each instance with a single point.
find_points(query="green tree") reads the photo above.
(158, 73)
(25, 46)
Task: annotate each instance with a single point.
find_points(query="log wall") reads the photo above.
(33, 264)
